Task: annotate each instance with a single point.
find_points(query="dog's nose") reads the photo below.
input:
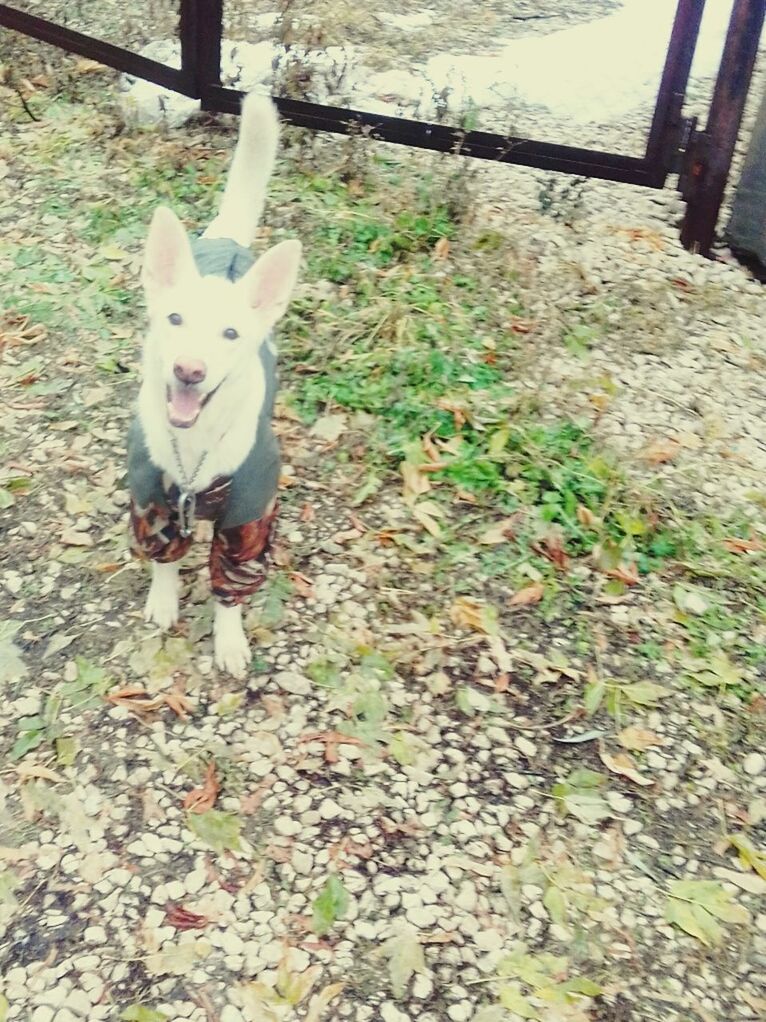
(190, 370)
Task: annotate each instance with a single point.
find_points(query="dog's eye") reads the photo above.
(175, 319)
(230, 333)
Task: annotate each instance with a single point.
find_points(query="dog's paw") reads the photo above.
(232, 650)
(161, 607)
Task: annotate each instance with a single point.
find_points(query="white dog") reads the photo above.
(202, 443)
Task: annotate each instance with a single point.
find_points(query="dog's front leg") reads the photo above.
(162, 603)
(237, 571)
(232, 650)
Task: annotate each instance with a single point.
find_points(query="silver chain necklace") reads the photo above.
(187, 498)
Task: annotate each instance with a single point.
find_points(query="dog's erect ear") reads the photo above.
(270, 282)
(168, 256)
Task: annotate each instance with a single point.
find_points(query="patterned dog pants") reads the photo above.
(237, 556)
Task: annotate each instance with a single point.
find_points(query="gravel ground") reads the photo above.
(438, 814)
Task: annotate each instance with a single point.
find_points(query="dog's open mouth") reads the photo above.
(185, 404)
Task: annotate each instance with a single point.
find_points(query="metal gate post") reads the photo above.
(666, 136)
(200, 29)
(709, 156)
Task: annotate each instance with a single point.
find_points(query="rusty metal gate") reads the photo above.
(675, 144)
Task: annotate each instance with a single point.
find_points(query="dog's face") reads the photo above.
(204, 330)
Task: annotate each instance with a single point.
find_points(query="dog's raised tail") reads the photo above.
(251, 168)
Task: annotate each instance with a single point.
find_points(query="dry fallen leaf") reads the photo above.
(627, 573)
(551, 546)
(638, 738)
(743, 546)
(182, 919)
(303, 586)
(415, 481)
(441, 248)
(500, 532)
(473, 614)
(26, 771)
(426, 513)
(529, 594)
(331, 741)
(621, 763)
(661, 451)
(138, 701)
(199, 800)
(586, 517)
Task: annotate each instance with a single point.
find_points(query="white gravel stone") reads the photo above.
(231, 1014)
(329, 809)
(618, 802)
(422, 916)
(422, 986)
(526, 747)
(459, 1012)
(390, 1013)
(489, 940)
(292, 682)
(287, 827)
(754, 764)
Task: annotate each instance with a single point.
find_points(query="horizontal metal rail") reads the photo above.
(440, 138)
(105, 53)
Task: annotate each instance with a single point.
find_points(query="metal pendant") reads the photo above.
(187, 505)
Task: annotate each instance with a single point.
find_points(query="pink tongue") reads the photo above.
(184, 406)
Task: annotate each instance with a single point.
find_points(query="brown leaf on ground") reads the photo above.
(359, 849)
(621, 763)
(430, 449)
(199, 800)
(661, 451)
(138, 701)
(638, 738)
(585, 516)
(460, 412)
(743, 546)
(179, 703)
(502, 683)
(551, 547)
(415, 482)
(251, 803)
(303, 586)
(441, 248)
(521, 326)
(331, 740)
(182, 919)
(627, 573)
(308, 514)
(500, 532)
(652, 238)
(528, 595)
(473, 614)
